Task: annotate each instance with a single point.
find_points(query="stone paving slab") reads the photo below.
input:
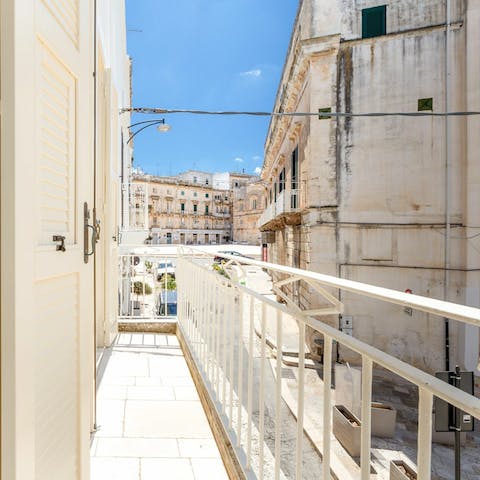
(151, 421)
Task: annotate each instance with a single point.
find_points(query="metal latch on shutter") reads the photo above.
(95, 232)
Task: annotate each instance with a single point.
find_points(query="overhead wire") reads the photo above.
(165, 111)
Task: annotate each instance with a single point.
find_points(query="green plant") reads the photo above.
(221, 271)
(171, 282)
(140, 288)
(148, 265)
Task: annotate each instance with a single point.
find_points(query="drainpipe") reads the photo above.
(446, 282)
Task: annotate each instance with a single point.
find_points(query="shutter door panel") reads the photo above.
(56, 160)
(57, 396)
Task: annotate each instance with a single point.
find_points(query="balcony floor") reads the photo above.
(151, 422)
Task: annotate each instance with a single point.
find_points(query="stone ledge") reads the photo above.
(168, 327)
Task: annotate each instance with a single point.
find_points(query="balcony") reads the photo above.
(288, 203)
(272, 396)
(150, 415)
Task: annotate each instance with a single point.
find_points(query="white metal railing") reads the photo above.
(147, 286)
(220, 319)
(267, 215)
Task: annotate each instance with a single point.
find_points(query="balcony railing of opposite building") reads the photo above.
(288, 201)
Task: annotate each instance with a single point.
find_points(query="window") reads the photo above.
(194, 194)
(206, 195)
(194, 179)
(206, 209)
(294, 170)
(206, 181)
(374, 21)
(281, 181)
(425, 104)
(254, 204)
(183, 193)
(182, 207)
(195, 207)
(324, 110)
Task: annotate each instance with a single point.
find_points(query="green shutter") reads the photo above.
(425, 104)
(324, 110)
(374, 21)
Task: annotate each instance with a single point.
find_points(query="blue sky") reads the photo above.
(215, 55)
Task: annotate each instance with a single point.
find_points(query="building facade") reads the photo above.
(186, 209)
(248, 205)
(384, 200)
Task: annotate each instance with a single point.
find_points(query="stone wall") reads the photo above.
(373, 190)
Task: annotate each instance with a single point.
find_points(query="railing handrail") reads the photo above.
(442, 308)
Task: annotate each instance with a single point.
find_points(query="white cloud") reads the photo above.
(256, 158)
(257, 170)
(238, 159)
(255, 73)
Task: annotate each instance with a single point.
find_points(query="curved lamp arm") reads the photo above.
(150, 123)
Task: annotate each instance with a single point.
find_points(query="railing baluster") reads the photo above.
(251, 327)
(208, 327)
(120, 286)
(301, 399)
(225, 303)
(366, 417)
(196, 286)
(165, 284)
(217, 341)
(240, 369)
(231, 348)
(327, 404)
(206, 307)
(424, 455)
(214, 335)
(261, 402)
(278, 397)
(202, 309)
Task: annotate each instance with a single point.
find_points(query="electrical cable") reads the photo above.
(165, 111)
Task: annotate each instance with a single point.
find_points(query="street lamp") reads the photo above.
(160, 122)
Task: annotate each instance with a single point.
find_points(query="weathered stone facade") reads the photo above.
(248, 205)
(383, 200)
(175, 210)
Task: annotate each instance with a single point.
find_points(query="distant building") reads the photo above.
(391, 201)
(185, 209)
(248, 205)
(195, 208)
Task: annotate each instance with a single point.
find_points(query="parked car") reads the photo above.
(219, 259)
(167, 303)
